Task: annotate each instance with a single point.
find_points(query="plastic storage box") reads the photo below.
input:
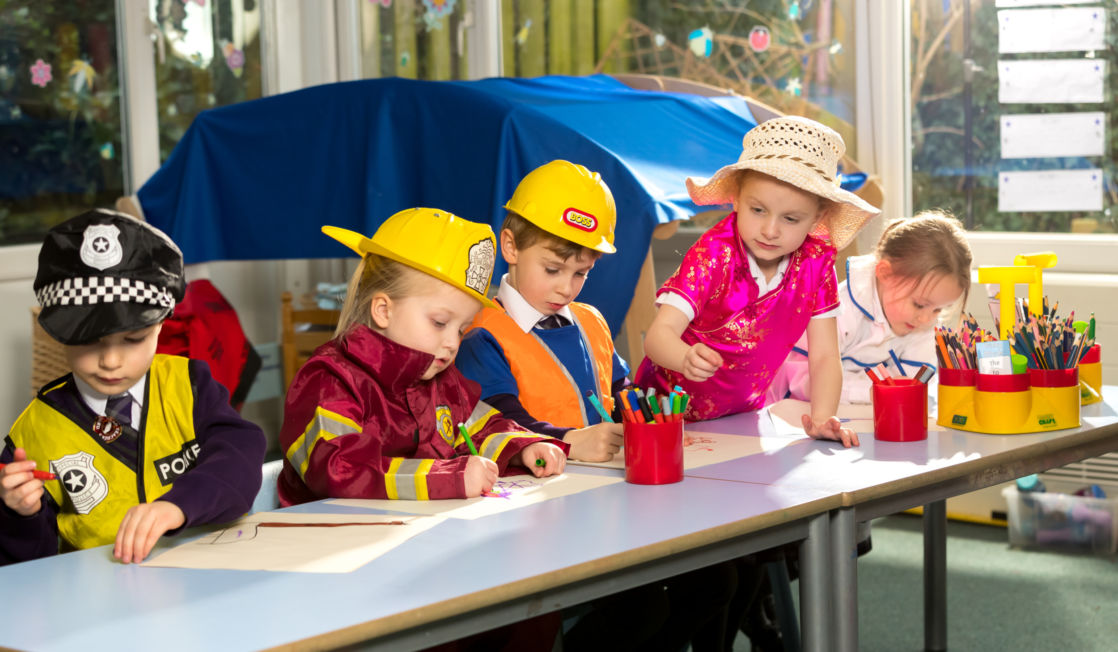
(1059, 520)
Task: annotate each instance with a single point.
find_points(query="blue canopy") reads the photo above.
(257, 180)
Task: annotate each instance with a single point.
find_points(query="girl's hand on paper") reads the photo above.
(142, 526)
(830, 428)
(596, 443)
(481, 475)
(700, 362)
(554, 461)
(19, 490)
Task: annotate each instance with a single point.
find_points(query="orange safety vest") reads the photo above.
(535, 367)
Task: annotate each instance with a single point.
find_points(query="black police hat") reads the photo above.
(105, 272)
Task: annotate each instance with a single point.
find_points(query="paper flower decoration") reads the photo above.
(701, 42)
(522, 35)
(439, 7)
(40, 73)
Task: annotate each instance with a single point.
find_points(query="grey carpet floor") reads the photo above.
(998, 598)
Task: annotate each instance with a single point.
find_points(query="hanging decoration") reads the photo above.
(234, 57)
(660, 40)
(759, 38)
(794, 86)
(431, 22)
(200, 3)
(835, 48)
(108, 151)
(794, 12)
(384, 3)
(701, 42)
(439, 8)
(405, 59)
(522, 35)
(40, 73)
(81, 76)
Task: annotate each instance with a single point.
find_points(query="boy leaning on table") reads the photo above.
(140, 444)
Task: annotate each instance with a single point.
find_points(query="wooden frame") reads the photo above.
(302, 330)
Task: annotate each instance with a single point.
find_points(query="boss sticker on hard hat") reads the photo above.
(580, 220)
(482, 255)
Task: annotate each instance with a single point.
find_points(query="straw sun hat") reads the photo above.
(801, 152)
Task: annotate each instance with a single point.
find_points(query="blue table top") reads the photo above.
(84, 600)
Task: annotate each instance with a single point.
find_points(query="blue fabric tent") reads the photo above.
(257, 180)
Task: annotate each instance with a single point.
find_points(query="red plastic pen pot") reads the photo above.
(900, 410)
(653, 452)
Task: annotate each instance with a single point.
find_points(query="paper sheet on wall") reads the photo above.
(1041, 135)
(513, 492)
(1052, 30)
(1050, 190)
(710, 448)
(289, 541)
(1043, 81)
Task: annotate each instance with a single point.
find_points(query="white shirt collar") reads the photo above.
(96, 400)
(762, 285)
(861, 283)
(522, 312)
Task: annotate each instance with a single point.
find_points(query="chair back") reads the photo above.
(302, 330)
(48, 356)
(267, 498)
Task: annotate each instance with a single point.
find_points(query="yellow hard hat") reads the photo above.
(435, 242)
(569, 201)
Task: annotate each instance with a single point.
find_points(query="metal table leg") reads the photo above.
(935, 576)
(815, 585)
(844, 564)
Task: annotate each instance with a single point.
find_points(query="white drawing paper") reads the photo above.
(1076, 29)
(1045, 81)
(786, 417)
(1005, 4)
(710, 448)
(1043, 135)
(512, 492)
(1050, 190)
(298, 542)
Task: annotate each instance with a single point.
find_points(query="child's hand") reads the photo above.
(554, 459)
(596, 443)
(481, 475)
(142, 526)
(700, 362)
(21, 492)
(830, 429)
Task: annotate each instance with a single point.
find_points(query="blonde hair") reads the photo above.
(930, 242)
(525, 234)
(373, 274)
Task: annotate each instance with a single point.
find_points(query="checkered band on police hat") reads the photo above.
(105, 272)
(93, 289)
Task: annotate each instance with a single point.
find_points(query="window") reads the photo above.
(978, 71)
(60, 114)
(796, 56)
(415, 39)
(207, 55)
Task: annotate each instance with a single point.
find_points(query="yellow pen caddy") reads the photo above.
(1010, 404)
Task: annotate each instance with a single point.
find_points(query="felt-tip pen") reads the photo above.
(466, 436)
(38, 475)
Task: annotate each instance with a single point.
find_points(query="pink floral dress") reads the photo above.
(752, 333)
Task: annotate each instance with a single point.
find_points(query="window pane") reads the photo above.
(797, 57)
(207, 54)
(416, 39)
(979, 79)
(60, 121)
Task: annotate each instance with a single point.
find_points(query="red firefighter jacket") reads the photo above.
(359, 422)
